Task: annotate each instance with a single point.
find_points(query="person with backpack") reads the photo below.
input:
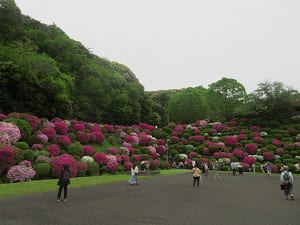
(286, 183)
(63, 182)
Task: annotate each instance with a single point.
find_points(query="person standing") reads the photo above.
(206, 169)
(216, 167)
(233, 167)
(269, 169)
(240, 169)
(134, 173)
(63, 182)
(196, 176)
(253, 168)
(286, 182)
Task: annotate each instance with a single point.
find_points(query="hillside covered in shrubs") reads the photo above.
(37, 148)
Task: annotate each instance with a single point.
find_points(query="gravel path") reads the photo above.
(165, 200)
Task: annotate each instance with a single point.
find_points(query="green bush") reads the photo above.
(295, 153)
(34, 139)
(271, 148)
(225, 168)
(75, 149)
(92, 169)
(173, 153)
(234, 159)
(29, 155)
(162, 165)
(42, 170)
(288, 161)
(72, 136)
(18, 155)
(23, 125)
(144, 157)
(287, 156)
(22, 145)
(43, 152)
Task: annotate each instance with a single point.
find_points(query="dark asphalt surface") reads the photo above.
(165, 200)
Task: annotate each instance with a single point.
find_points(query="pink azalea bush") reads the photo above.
(9, 133)
(160, 141)
(99, 137)
(20, 173)
(192, 155)
(100, 158)
(128, 165)
(154, 164)
(112, 167)
(280, 151)
(43, 138)
(239, 154)
(276, 142)
(64, 140)
(37, 147)
(53, 150)
(83, 137)
(136, 158)
(58, 162)
(160, 149)
(249, 160)
(79, 127)
(108, 128)
(82, 168)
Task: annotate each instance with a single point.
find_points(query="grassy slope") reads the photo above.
(7, 190)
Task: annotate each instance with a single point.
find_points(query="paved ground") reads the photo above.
(240, 200)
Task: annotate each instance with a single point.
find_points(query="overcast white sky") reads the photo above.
(185, 43)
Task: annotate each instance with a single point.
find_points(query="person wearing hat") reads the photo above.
(286, 183)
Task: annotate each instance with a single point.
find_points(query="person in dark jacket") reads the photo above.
(63, 182)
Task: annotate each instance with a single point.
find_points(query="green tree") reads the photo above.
(187, 106)
(224, 98)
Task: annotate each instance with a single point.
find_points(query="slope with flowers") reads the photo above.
(36, 148)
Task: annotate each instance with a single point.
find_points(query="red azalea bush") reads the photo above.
(3, 117)
(82, 168)
(131, 151)
(37, 147)
(124, 158)
(174, 139)
(192, 155)
(127, 165)
(218, 127)
(144, 139)
(239, 154)
(160, 149)
(50, 132)
(112, 151)
(136, 158)
(276, 143)
(79, 127)
(108, 128)
(279, 151)
(61, 128)
(241, 137)
(218, 155)
(34, 121)
(249, 160)
(6, 158)
(87, 150)
(268, 156)
(251, 148)
(53, 150)
(255, 128)
(258, 140)
(64, 140)
(83, 137)
(100, 158)
(160, 141)
(99, 137)
(58, 162)
(184, 141)
(205, 151)
(95, 128)
(230, 141)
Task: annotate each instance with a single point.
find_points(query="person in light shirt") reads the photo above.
(134, 172)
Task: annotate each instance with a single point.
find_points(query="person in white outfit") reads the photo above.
(134, 173)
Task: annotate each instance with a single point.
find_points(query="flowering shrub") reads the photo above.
(160, 141)
(174, 139)
(144, 139)
(20, 173)
(43, 138)
(108, 128)
(78, 127)
(99, 136)
(230, 141)
(239, 154)
(95, 128)
(258, 140)
(87, 159)
(50, 132)
(83, 137)
(3, 117)
(205, 151)
(112, 151)
(37, 147)
(276, 143)
(268, 156)
(255, 128)
(127, 165)
(64, 140)
(34, 121)
(124, 158)
(112, 167)
(58, 162)
(101, 158)
(82, 168)
(249, 160)
(87, 150)
(61, 128)
(6, 158)
(160, 149)
(25, 163)
(126, 144)
(279, 151)
(9, 133)
(154, 164)
(297, 145)
(251, 148)
(124, 150)
(192, 155)
(136, 158)
(218, 126)
(241, 137)
(53, 150)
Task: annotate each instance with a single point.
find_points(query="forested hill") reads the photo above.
(46, 73)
